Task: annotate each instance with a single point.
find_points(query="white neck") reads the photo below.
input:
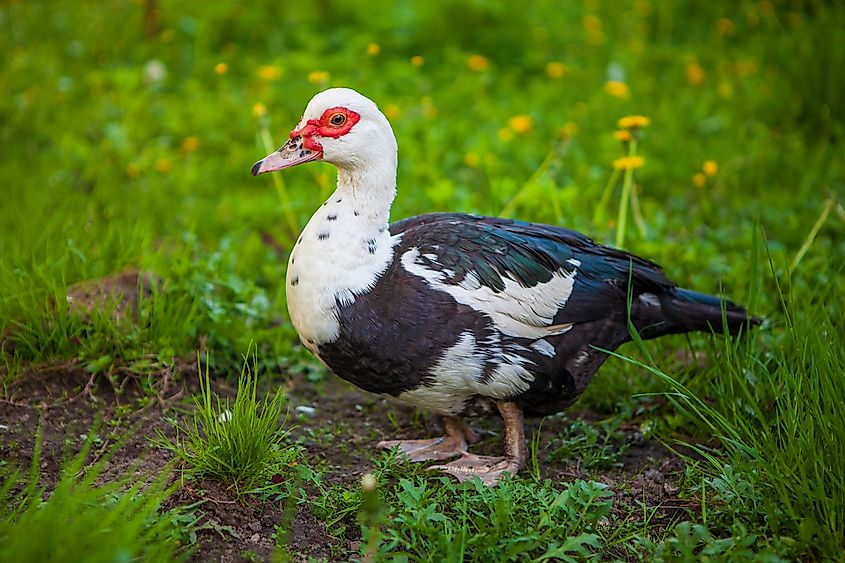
(342, 251)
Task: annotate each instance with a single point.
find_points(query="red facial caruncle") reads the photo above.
(335, 122)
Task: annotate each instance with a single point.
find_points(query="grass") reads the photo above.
(120, 520)
(242, 444)
(127, 139)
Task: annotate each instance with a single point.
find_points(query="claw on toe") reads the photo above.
(488, 469)
(434, 449)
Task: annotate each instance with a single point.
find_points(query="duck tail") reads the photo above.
(687, 310)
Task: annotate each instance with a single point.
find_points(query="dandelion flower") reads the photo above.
(628, 163)
(190, 144)
(617, 89)
(695, 74)
(623, 135)
(417, 60)
(259, 109)
(520, 124)
(221, 68)
(269, 73)
(569, 129)
(392, 111)
(163, 165)
(471, 159)
(710, 167)
(373, 49)
(505, 134)
(556, 70)
(634, 122)
(699, 180)
(316, 76)
(478, 63)
(726, 27)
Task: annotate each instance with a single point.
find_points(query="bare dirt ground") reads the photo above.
(338, 428)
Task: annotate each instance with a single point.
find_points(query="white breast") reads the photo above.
(338, 256)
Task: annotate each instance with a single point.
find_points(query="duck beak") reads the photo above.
(292, 153)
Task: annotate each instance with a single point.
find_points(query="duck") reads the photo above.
(458, 314)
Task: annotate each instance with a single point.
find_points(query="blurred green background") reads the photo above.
(128, 130)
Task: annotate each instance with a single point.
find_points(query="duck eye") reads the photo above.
(338, 119)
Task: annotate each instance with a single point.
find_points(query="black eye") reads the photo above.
(338, 119)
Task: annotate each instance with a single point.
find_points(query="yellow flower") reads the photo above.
(726, 90)
(634, 122)
(710, 167)
(417, 60)
(695, 74)
(624, 135)
(164, 165)
(556, 70)
(726, 27)
(699, 180)
(569, 129)
(478, 63)
(428, 108)
(259, 109)
(190, 144)
(221, 68)
(628, 163)
(617, 89)
(505, 134)
(593, 29)
(133, 170)
(520, 123)
(471, 159)
(269, 72)
(392, 111)
(316, 76)
(373, 49)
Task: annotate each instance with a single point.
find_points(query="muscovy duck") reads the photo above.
(460, 314)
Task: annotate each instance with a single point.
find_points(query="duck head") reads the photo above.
(339, 126)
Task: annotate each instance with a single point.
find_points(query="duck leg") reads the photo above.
(491, 469)
(453, 444)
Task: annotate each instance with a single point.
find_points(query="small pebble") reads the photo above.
(255, 526)
(306, 410)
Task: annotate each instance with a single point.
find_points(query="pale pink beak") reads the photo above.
(292, 153)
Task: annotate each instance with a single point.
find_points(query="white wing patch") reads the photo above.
(458, 375)
(526, 312)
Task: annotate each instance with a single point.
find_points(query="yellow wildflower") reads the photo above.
(133, 170)
(164, 165)
(316, 76)
(471, 159)
(556, 69)
(569, 129)
(373, 49)
(478, 63)
(269, 72)
(259, 109)
(710, 167)
(520, 123)
(628, 163)
(221, 68)
(392, 111)
(726, 90)
(726, 27)
(624, 135)
(593, 28)
(505, 134)
(695, 74)
(190, 144)
(617, 89)
(428, 108)
(634, 122)
(699, 180)
(417, 60)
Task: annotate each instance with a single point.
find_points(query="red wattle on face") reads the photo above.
(335, 122)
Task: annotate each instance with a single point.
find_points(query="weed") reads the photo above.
(81, 519)
(242, 444)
